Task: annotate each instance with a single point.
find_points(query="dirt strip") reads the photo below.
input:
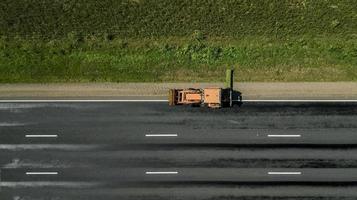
(291, 90)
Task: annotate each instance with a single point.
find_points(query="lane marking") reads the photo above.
(32, 184)
(65, 147)
(41, 173)
(301, 100)
(11, 124)
(284, 173)
(284, 136)
(160, 173)
(161, 135)
(158, 100)
(80, 100)
(41, 136)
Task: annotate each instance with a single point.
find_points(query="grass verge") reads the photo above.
(177, 59)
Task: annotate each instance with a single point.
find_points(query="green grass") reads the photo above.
(171, 59)
(177, 40)
(166, 18)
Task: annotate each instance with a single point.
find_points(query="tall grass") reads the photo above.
(162, 18)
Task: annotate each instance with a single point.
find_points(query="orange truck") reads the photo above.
(212, 97)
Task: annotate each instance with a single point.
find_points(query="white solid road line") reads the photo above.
(159, 100)
(284, 173)
(41, 136)
(301, 100)
(80, 100)
(41, 173)
(161, 135)
(160, 173)
(284, 136)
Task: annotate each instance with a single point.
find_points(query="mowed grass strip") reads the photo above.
(177, 59)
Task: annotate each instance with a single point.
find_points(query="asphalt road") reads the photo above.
(150, 151)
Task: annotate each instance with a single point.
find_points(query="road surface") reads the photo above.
(150, 151)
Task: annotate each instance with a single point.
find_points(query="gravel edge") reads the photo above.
(256, 90)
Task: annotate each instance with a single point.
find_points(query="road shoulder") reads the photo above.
(250, 91)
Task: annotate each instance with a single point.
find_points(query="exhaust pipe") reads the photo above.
(229, 84)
